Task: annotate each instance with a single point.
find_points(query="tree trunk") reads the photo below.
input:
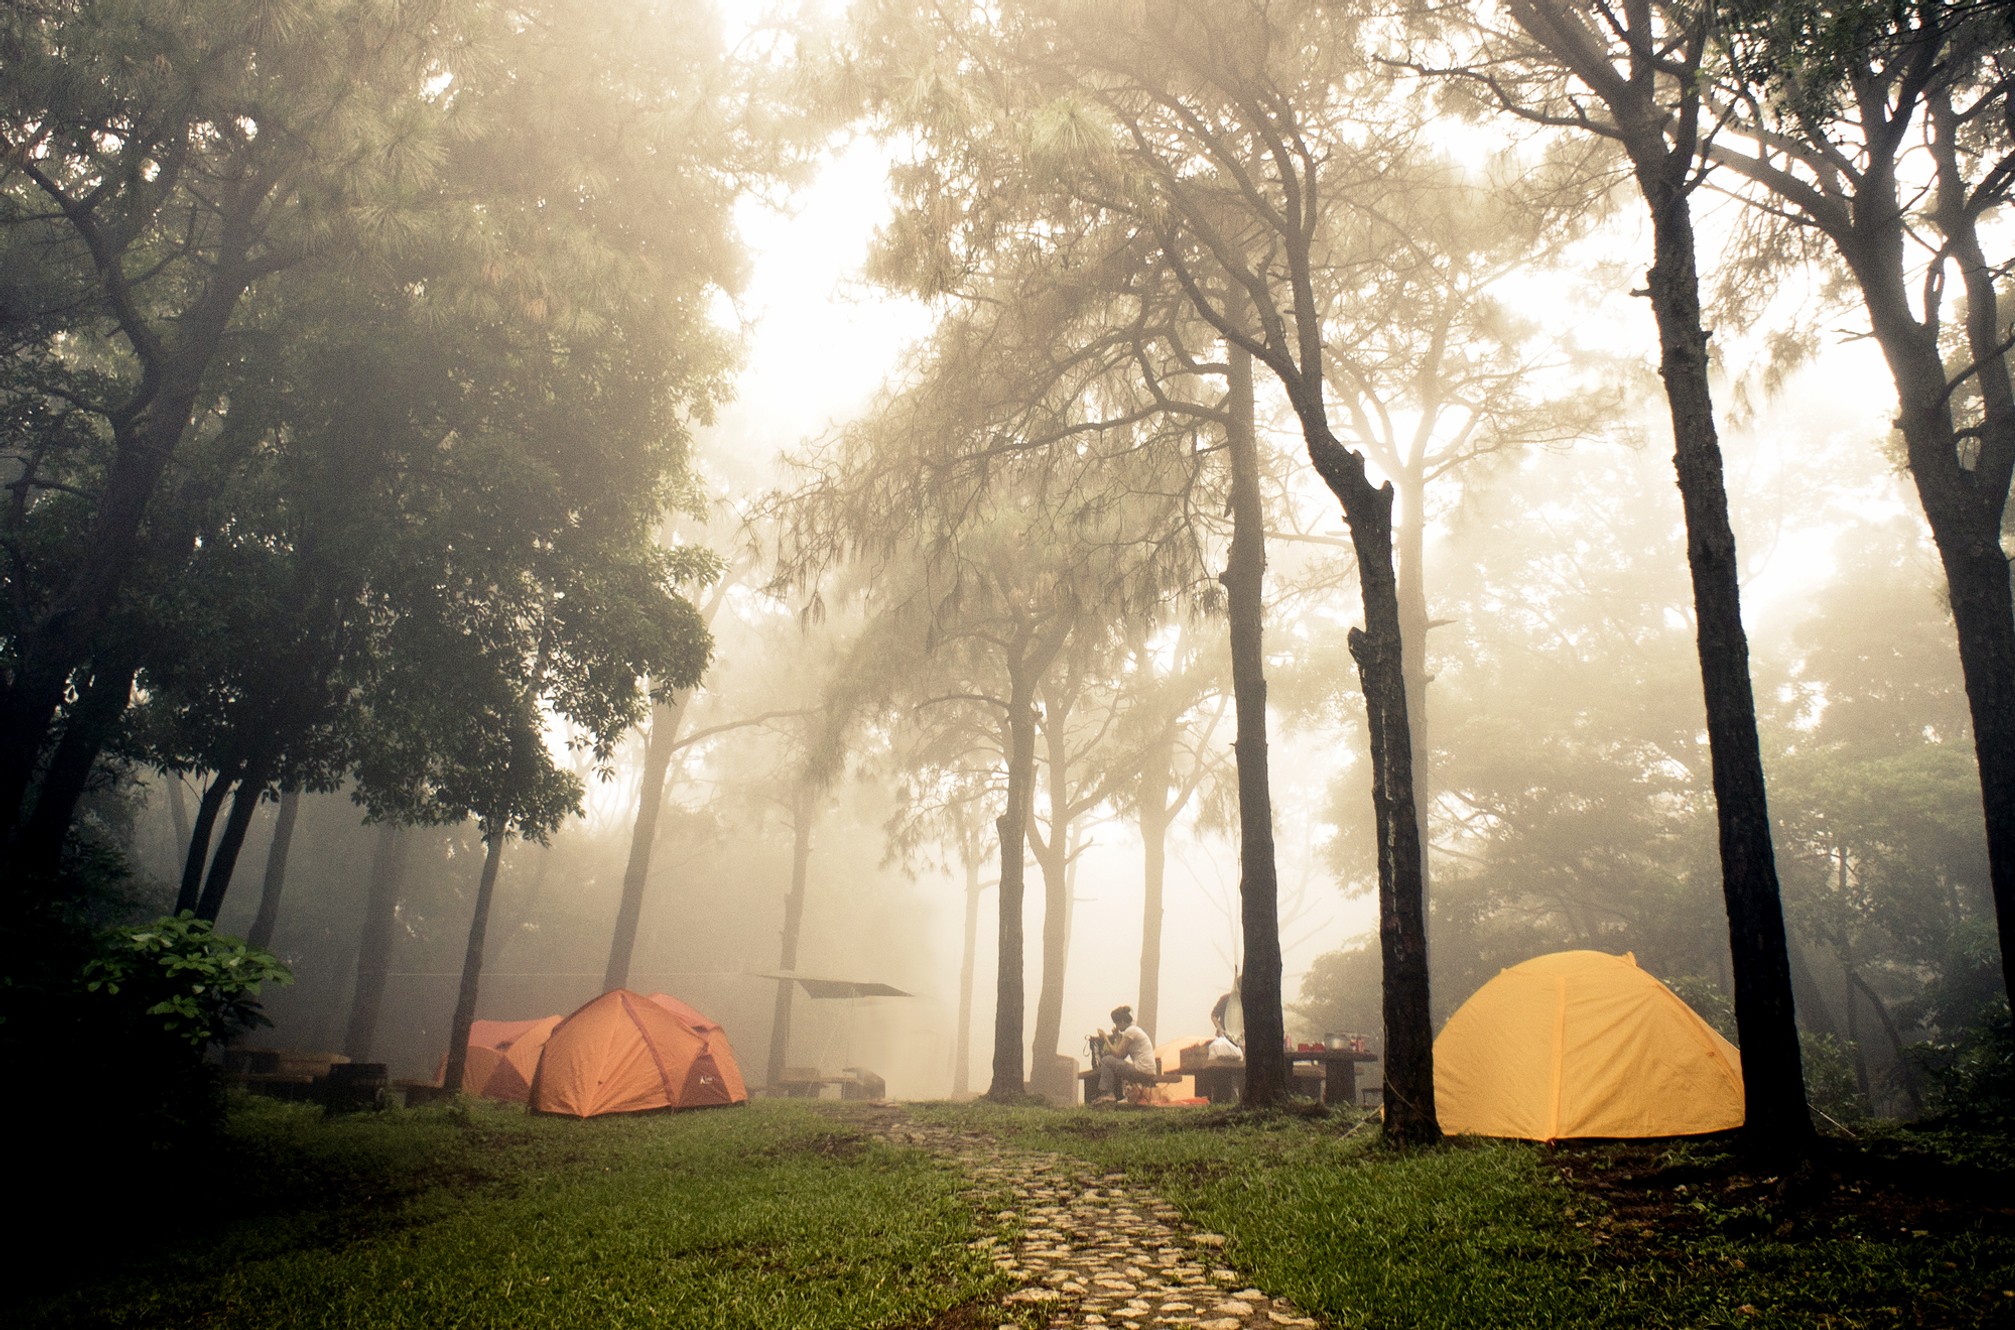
(374, 945)
(1965, 511)
(1244, 580)
(86, 730)
(198, 853)
(666, 721)
(1052, 858)
(178, 810)
(251, 789)
(962, 1042)
(268, 918)
(1906, 1074)
(1155, 780)
(472, 964)
(1843, 949)
(1772, 1076)
(803, 810)
(1379, 652)
(1410, 555)
(49, 650)
(1012, 827)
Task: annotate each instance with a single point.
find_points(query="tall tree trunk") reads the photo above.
(1410, 554)
(962, 1042)
(1843, 948)
(178, 810)
(1244, 580)
(1053, 858)
(1410, 1116)
(198, 853)
(86, 730)
(666, 720)
(51, 648)
(1379, 652)
(803, 810)
(374, 945)
(244, 803)
(472, 963)
(1155, 780)
(1012, 827)
(1772, 1075)
(1965, 511)
(1906, 1074)
(268, 918)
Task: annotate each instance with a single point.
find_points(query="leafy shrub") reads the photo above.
(1972, 1078)
(1830, 1086)
(199, 985)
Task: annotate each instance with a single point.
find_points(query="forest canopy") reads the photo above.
(1261, 570)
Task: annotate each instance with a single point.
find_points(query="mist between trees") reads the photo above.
(1268, 568)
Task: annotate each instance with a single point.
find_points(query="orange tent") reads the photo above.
(717, 1042)
(625, 1053)
(1169, 1055)
(502, 1057)
(1581, 1044)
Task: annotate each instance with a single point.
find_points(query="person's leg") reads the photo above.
(1110, 1070)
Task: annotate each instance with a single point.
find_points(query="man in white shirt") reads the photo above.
(1129, 1057)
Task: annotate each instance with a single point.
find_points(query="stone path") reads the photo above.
(1086, 1248)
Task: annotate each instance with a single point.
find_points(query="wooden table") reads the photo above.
(1220, 1082)
(1224, 1083)
(812, 1085)
(1339, 1072)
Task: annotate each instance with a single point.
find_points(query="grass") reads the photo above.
(1510, 1234)
(766, 1216)
(784, 1214)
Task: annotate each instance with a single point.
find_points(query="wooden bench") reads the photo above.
(1089, 1079)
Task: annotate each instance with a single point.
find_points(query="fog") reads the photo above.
(897, 447)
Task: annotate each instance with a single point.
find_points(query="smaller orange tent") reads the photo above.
(1583, 1044)
(625, 1053)
(502, 1057)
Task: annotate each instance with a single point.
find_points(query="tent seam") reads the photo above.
(651, 1047)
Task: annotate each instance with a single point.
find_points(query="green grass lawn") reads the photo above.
(788, 1215)
(762, 1216)
(1485, 1233)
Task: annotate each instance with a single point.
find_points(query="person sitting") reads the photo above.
(1128, 1058)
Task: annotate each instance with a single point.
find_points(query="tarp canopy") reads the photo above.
(626, 1053)
(820, 987)
(1583, 1044)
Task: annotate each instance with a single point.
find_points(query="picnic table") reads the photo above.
(1339, 1071)
(1223, 1083)
(809, 1083)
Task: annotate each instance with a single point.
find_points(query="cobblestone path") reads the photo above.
(1086, 1248)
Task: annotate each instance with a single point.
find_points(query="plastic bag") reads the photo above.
(1222, 1052)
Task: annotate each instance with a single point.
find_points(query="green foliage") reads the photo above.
(1972, 1078)
(459, 352)
(199, 986)
(1829, 1079)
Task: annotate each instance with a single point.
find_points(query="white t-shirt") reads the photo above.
(1137, 1048)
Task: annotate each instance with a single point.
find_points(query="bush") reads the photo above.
(179, 974)
(1972, 1079)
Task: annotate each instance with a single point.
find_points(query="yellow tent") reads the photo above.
(1581, 1043)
